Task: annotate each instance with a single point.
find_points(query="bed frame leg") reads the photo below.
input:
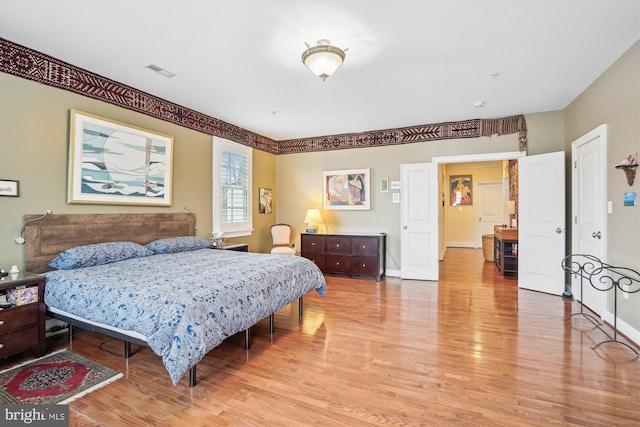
(271, 323)
(127, 349)
(247, 338)
(300, 309)
(192, 376)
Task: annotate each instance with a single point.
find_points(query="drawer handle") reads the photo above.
(1, 345)
(364, 265)
(337, 245)
(364, 247)
(1, 322)
(337, 263)
(313, 243)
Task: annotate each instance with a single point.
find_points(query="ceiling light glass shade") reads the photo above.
(323, 59)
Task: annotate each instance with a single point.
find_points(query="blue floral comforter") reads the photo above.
(186, 303)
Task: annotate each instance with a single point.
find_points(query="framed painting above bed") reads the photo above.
(119, 164)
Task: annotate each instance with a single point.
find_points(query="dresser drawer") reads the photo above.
(312, 245)
(364, 246)
(317, 259)
(337, 245)
(18, 317)
(338, 264)
(19, 341)
(364, 266)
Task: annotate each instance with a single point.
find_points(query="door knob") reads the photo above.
(404, 227)
(559, 230)
(597, 235)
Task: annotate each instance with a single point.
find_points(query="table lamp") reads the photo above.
(312, 219)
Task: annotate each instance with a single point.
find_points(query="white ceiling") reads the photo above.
(408, 63)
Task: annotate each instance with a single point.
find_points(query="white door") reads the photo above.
(419, 216)
(589, 205)
(541, 223)
(490, 204)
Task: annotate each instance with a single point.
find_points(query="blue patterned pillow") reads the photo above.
(98, 253)
(178, 244)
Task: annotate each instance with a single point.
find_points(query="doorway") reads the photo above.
(481, 223)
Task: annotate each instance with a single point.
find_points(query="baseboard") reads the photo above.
(392, 273)
(624, 328)
(461, 245)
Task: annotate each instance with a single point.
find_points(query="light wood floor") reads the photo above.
(470, 350)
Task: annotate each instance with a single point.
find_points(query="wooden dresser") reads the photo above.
(350, 254)
(505, 252)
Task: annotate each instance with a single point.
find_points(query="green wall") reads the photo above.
(34, 137)
(614, 99)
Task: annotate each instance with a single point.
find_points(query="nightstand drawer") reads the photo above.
(19, 341)
(18, 318)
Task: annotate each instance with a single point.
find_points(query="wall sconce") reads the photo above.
(629, 165)
(20, 239)
(312, 219)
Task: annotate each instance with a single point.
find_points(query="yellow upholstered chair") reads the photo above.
(280, 240)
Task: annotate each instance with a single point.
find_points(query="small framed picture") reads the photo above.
(384, 185)
(265, 197)
(9, 188)
(461, 190)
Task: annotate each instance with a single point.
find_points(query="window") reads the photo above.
(232, 185)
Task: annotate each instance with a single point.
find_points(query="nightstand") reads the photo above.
(239, 247)
(22, 327)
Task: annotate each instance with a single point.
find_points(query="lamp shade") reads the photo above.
(313, 217)
(323, 59)
(511, 207)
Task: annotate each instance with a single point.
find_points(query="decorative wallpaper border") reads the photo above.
(29, 64)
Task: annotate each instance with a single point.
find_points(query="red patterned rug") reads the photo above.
(57, 378)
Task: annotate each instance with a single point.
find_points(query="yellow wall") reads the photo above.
(34, 135)
(461, 221)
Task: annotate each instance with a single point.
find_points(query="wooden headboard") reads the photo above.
(47, 237)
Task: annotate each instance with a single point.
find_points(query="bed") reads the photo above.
(180, 302)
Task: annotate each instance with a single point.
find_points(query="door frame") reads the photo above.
(467, 158)
(601, 133)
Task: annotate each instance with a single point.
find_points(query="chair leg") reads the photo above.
(300, 309)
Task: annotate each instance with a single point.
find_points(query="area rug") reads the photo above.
(57, 378)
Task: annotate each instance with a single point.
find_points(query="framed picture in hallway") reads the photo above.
(461, 190)
(346, 189)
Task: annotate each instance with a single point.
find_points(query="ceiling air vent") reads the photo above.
(160, 70)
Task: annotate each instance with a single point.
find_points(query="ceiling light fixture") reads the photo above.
(323, 59)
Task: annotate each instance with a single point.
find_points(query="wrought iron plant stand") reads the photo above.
(603, 277)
